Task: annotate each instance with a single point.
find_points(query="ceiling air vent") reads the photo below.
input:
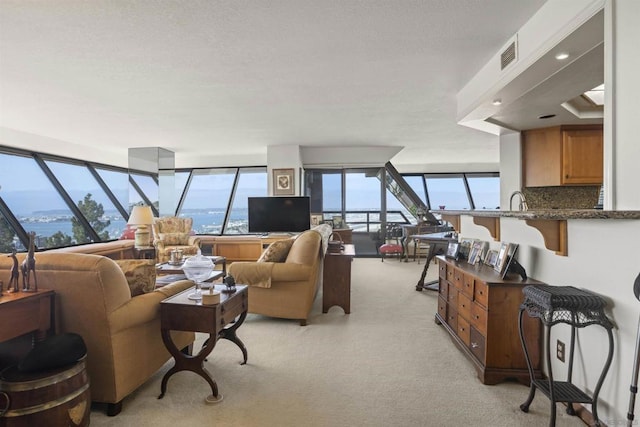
(508, 55)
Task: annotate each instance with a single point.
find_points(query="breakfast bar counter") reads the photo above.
(551, 223)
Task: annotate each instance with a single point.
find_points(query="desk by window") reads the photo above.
(438, 243)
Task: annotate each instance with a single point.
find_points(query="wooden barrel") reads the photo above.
(52, 398)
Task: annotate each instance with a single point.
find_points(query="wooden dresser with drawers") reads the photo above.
(480, 310)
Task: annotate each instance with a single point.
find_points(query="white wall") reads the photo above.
(602, 254)
(284, 157)
(626, 112)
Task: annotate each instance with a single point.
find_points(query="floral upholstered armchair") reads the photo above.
(171, 233)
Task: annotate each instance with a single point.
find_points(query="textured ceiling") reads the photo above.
(218, 81)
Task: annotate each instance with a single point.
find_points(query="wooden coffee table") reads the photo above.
(179, 313)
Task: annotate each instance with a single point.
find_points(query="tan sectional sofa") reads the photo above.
(122, 333)
(291, 286)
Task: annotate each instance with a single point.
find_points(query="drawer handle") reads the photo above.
(461, 329)
(477, 317)
(474, 345)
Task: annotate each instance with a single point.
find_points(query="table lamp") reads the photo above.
(142, 217)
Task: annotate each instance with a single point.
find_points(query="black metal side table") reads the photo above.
(575, 307)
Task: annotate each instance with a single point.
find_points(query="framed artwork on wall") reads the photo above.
(283, 182)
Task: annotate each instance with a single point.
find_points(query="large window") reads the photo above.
(252, 182)
(118, 183)
(362, 200)
(36, 204)
(485, 190)
(207, 198)
(67, 202)
(144, 190)
(332, 192)
(91, 199)
(361, 194)
(447, 192)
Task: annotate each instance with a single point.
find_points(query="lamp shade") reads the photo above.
(141, 215)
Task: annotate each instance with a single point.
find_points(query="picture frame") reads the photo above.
(452, 250)
(477, 251)
(465, 247)
(491, 257)
(503, 255)
(337, 221)
(512, 264)
(316, 219)
(283, 182)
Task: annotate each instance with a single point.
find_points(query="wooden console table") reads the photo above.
(26, 312)
(480, 311)
(336, 279)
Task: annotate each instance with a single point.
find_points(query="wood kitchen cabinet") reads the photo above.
(480, 311)
(562, 155)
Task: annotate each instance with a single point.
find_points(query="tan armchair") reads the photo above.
(171, 233)
(284, 289)
(121, 332)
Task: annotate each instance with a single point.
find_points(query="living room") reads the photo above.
(28, 100)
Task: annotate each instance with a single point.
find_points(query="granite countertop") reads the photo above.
(558, 214)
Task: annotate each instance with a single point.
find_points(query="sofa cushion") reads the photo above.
(140, 274)
(174, 238)
(277, 251)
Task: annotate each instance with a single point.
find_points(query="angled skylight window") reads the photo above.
(596, 95)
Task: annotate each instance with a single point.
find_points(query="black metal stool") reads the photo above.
(575, 307)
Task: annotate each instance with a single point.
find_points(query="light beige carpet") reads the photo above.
(385, 364)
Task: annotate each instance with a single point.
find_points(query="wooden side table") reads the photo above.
(26, 312)
(182, 314)
(336, 279)
(144, 252)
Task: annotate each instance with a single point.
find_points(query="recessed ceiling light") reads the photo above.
(497, 102)
(547, 116)
(562, 55)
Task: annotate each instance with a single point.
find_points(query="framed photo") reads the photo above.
(337, 221)
(491, 257)
(283, 182)
(465, 247)
(316, 219)
(452, 250)
(477, 251)
(501, 260)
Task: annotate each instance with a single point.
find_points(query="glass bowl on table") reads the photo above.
(197, 268)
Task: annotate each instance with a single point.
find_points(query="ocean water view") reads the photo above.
(205, 221)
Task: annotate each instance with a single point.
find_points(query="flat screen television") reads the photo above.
(279, 214)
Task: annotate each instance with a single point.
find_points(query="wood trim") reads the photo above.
(554, 233)
(453, 219)
(490, 223)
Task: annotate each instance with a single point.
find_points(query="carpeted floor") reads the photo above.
(385, 364)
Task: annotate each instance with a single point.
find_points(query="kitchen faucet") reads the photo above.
(522, 206)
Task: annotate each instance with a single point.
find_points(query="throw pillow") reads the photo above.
(170, 239)
(277, 251)
(140, 274)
